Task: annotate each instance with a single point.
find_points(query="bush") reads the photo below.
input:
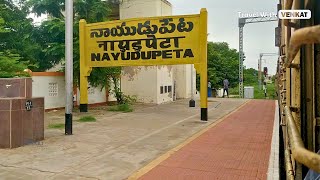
(56, 126)
(10, 66)
(87, 119)
(122, 108)
(122, 98)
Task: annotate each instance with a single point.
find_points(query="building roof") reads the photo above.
(167, 2)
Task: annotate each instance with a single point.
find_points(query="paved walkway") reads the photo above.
(236, 148)
(112, 148)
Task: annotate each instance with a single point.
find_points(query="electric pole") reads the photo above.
(242, 22)
(69, 66)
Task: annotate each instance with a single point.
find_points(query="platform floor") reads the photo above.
(115, 146)
(236, 147)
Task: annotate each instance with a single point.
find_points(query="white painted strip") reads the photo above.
(273, 169)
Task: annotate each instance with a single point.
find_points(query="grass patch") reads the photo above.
(87, 119)
(56, 126)
(121, 108)
(258, 93)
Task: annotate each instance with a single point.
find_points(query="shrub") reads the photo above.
(87, 119)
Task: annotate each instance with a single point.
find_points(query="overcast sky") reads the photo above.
(223, 26)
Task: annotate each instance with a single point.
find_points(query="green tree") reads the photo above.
(222, 63)
(9, 63)
(10, 66)
(2, 28)
(250, 76)
(51, 35)
(19, 29)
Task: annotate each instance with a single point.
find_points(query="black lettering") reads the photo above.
(178, 52)
(105, 57)
(167, 54)
(95, 57)
(165, 44)
(135, 55)
(146, 55)
(156, 54)
(115, 56)
(188, 53)
(182, 26)
(124, 57)
(176, 42)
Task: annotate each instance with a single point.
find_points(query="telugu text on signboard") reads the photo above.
(149, 41)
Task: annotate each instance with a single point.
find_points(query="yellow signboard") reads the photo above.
(138, 42)
(164, 40)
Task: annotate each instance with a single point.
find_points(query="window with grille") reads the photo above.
(91, 90)
(53, 89)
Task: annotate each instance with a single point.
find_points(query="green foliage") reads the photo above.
(250, 76)
(51, 35)
(16, 32)
(50, 7)
(122, 107)
(222, 63)
(87, 119)
(258, 93)
(10, 66)
(120, 96)
(56, 126)
(2, 28)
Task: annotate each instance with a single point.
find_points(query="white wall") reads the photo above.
(165, 79)
(140, 82)
(182, 76)
(56, 99)
(138, 8)
(40, 88)
(145, 82)
(95, 95)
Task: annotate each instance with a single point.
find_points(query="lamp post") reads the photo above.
(69, 66)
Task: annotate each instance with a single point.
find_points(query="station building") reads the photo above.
(155, 84)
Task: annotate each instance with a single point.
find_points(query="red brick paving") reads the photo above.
(236, 148)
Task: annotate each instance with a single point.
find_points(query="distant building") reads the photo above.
(154, 84)
(151, 84)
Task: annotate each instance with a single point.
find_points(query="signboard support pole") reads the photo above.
(203, 65)
(98, 49)
(84, 69)
(69, 67)
(192, 102)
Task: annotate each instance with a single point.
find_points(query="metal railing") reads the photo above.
(308, 35)
(294, 147)
(299, 152)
